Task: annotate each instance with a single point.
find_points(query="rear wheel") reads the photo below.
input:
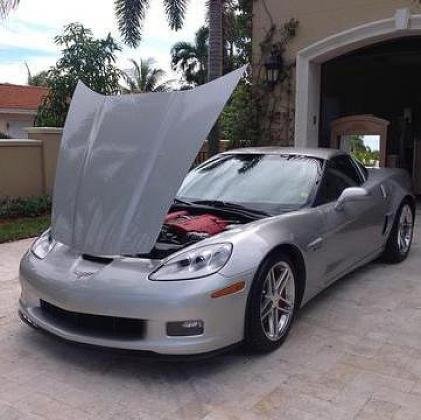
(272, 304)
(400, 238)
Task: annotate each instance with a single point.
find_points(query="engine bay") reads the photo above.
(182, 228)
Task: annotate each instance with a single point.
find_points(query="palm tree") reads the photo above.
(6, 6)
(216, 38)
(145, 78)
(192, 58)
(216, 59)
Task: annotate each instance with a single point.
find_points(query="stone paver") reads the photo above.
(355, 352)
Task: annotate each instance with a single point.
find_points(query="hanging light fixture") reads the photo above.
(273, 66)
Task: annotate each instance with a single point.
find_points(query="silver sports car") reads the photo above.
(252, 235)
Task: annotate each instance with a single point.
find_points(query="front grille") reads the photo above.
(108, 326)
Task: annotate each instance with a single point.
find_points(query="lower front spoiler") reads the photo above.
(198, 346)
(147, 354)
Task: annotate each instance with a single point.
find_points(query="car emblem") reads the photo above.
(83, 274)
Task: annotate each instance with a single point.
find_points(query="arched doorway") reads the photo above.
(310, 60)
(382, 80)
(373, 69)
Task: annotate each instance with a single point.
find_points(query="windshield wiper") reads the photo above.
(230, 206)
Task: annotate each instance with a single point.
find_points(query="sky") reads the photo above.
(27, 34)
(372, 141)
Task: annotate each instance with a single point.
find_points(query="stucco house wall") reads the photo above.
(318, 20)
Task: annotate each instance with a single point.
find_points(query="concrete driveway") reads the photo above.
(355, 352)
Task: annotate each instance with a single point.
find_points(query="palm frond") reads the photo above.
(145, 77)
(6, 6)
(181, 52)
(130, 15)
(152, 79)
(175, 10)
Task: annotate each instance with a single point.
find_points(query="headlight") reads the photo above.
(199, 262)
(43, 245)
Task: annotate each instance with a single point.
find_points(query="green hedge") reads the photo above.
(24, 207)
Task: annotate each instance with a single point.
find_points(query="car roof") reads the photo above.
(319, 153)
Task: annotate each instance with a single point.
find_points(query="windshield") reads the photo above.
(272, 183)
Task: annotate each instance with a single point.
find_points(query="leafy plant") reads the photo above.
(24, 207)
(84, 58)
(239, 120)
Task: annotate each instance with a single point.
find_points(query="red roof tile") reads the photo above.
(21, 97)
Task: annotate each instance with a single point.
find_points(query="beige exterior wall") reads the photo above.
(21, 165)
(317, 21)
(27, 167)
(50, 138)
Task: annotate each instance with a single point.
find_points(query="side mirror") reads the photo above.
(350, 195)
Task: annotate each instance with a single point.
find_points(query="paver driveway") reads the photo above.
(355, 352)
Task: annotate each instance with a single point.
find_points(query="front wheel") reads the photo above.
(400, 238)
(272, 304)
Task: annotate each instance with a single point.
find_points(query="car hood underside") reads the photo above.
(122, 160)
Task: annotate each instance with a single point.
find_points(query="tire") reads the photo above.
(400, 238)
(264, 308)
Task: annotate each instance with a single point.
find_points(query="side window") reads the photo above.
(362, 168)
(346, 166)
(333, 183)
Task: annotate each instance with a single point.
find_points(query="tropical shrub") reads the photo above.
(24, 207)
(239, 120)
(84, 58)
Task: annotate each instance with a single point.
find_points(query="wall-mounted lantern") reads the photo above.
(273, 66)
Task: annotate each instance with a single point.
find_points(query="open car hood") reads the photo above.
(122, 160)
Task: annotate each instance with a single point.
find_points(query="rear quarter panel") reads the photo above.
(397, 184)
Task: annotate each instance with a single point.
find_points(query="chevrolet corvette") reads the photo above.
(251, 236)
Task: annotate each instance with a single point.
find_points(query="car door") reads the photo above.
(351, 233)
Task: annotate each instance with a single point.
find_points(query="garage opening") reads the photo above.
(381, 82)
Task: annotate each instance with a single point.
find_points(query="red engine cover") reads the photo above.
(183, 222)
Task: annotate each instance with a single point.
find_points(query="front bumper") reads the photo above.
(122, 289)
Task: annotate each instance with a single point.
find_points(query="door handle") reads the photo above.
(384, 191)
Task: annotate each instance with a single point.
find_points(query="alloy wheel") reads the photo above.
(405, 229)
(277, 300)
